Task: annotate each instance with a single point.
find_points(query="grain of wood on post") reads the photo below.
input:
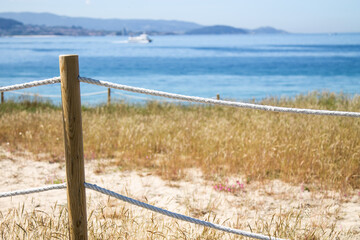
(74, 156)
(2, 97)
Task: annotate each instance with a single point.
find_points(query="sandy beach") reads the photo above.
(193, 195)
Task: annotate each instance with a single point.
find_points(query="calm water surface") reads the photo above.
(239, 67)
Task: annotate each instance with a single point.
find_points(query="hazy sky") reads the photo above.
(291, 15)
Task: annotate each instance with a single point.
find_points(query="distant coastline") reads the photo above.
(33, 24)
(32, 36)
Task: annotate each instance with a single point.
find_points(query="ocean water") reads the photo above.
(240, 67)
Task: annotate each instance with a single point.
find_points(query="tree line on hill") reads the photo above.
(10, 27)
(50, 24)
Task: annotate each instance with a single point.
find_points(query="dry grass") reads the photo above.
(321, 151)
(107, 222)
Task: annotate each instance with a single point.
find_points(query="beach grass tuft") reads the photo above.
(122, 222)
(322, 152)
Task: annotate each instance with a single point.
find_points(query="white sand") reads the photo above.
(193, 195)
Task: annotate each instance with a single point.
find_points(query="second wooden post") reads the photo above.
(73, 138)
(109, 97)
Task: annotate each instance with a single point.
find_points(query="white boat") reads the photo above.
(143, 38)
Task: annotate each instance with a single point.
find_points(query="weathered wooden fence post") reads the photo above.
(2, 97)
(109, 97)
(218, 96)
(74, 155)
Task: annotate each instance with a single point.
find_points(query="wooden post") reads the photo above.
(2, 97)
(109, 97)
(74, 155)
(218, 96)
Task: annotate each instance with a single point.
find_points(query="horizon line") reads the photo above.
(177, 20)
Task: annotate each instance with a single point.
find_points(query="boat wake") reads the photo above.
(120, 42)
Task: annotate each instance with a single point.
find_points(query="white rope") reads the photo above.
(129, 96)
(143, 205)
(217, 102)
(55, 96)
(145, 98)
(30, 84)
(176, 215)
(183, 97)
(33, 190)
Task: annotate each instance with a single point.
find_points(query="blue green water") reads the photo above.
(238, 67)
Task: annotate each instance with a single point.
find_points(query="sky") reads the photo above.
(297, 16)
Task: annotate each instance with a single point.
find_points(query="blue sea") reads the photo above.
(239, 67)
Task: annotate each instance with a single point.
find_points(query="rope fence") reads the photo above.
(92, 94)
(33, 190)
(55, 96)
(70, 88)
(181, 97)
(217, 102)
(142, 205)
(145, 98)
(176, 215)
(31, 84)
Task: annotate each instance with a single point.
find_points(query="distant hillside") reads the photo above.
(140, 25)
(268, 30)
(222, 29)
(218, 29)
(6, 24)
(9, 27)
(27, 23)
